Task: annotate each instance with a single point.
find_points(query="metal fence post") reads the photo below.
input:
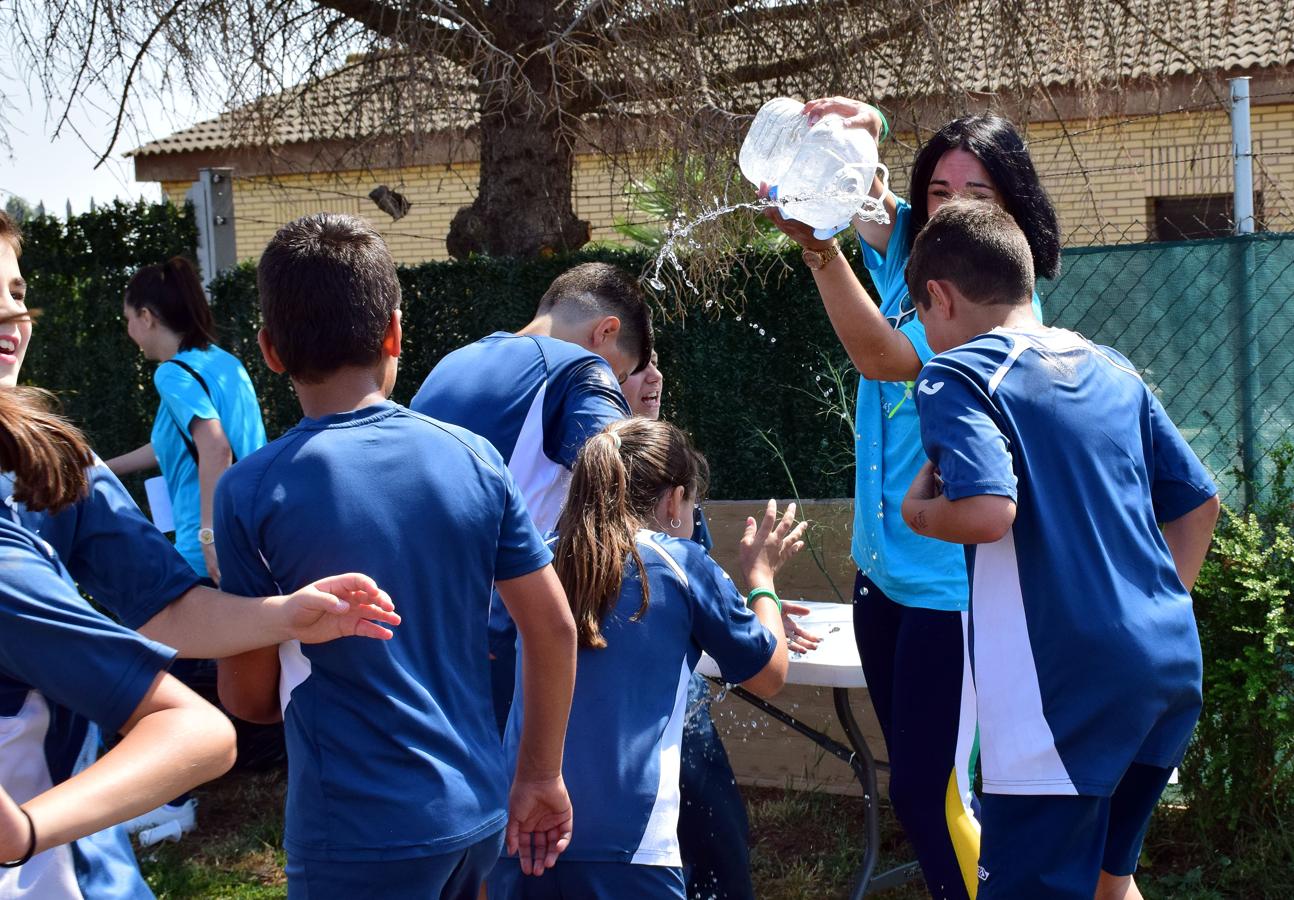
(1243, 295)
(212, 196)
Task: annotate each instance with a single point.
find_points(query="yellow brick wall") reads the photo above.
(1129, 162)
(435, 194)
(1100, 178)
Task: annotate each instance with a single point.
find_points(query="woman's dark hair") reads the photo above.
(998, 146)
(172, 292)
(49, 458)
(617, 481)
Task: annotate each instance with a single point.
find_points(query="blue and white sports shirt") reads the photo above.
(1083, 642)
(909, 568)
(232, 401)
(393, 751)
(110, 549)
(622, 744)
(537, 399)
(63, 666)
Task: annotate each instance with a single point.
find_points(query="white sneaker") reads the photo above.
(166, 823)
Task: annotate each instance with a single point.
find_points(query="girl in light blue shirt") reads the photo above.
(208, 417)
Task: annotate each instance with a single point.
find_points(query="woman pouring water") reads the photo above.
(910, 594)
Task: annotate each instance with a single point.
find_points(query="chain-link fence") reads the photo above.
(1210, 325)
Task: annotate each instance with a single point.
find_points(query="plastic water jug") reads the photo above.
(772, 141)
(821, 176)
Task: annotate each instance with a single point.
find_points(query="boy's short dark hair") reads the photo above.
(979, 248)
(597, 289)
(328, 289)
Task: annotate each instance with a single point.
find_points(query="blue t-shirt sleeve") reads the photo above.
(116, 555)
(590, 400)
(521, 548)
(182, 396)
(51, 639)
(1180, 482)
(721, 623)
(242, 569)
(961, 435)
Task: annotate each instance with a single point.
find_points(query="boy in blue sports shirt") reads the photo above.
(538, 395)
(417, 807)
(1056, 466)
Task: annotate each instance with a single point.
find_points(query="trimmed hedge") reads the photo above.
(726, 382)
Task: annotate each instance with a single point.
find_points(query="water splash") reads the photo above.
(680, 231)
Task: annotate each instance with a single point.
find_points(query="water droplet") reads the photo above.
(738, 318)
(772, 340)
(657, 284)
(761, 332)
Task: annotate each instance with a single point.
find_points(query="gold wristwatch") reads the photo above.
(816, 259)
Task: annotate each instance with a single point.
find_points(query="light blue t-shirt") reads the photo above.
(1083, 641)
(393, 750)
(65, 672)
(910, 569)
(232, 400)
(621, 764)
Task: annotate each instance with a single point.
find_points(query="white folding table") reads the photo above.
(834, 664)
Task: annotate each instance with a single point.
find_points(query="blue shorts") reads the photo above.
(576, 880)
(450, 876)
(1056, 847)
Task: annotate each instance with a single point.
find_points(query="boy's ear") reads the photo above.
(271, 355)
(394, 335)
(942, 301)
(604, 329)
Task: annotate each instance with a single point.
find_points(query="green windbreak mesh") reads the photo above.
(1210, 325)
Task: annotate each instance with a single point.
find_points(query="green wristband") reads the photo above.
(763, 592)
(885, 123)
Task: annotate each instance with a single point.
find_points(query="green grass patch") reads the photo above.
(804, 846)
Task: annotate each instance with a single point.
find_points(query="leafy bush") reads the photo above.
(1239, 773)
(77, 273)
(728, 377)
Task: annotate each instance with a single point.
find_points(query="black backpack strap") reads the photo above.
(184, 432)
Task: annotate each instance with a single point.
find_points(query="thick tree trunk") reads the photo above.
(523, 203)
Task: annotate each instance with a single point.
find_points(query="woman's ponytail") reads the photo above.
(48, 456)
(618, 479)
(597, 529)
(173, 292)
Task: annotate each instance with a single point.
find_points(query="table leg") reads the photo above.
(857, 757)
(900, 874)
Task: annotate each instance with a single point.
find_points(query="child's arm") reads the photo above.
(764, 549)
(248, 685)
(174, 741)
(204, 623)
(1188, 539)
(540, 819)
(980, 519)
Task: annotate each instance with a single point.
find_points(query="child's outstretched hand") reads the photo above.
(766, 546)
(350, 605)
(540, 820)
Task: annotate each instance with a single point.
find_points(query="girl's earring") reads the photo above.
(675, 523)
